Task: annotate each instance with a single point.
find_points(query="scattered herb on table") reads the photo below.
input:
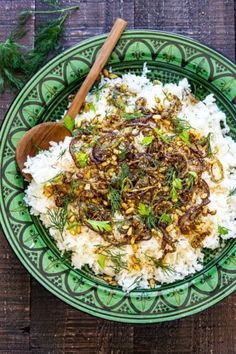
(18, 63)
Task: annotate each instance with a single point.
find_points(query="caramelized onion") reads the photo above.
(218, 164)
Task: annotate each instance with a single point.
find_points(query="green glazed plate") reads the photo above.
(170, 58)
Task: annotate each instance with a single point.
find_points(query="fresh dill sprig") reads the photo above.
(180, 124)
(118, 185)
(61, 154)
(131, 116)
(147, 215)
(169, 175)
(97, 90)
(115, 198)
(117, 259)
(206, 140)
(159, 264)
(12, 60)
(182, 128)
(47, 41)
(58, 218)
(163, 136)
(190, 180)
(16, 62)
(232, 192)
(88, 130)
(124, 172)
(123, 154)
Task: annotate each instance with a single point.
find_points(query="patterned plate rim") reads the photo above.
(215, 297)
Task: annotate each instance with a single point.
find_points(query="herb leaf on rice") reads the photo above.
(138, 195)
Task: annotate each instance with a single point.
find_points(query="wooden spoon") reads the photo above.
(41, 135)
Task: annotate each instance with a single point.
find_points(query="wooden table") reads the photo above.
(34, 321)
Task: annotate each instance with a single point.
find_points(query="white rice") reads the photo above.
(204, 116)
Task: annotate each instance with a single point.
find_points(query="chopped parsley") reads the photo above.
(147, 215)
(100, 226)
(147, 140)
(163, 137)
(223, 230)
(82, 159)
(165, 218)
(131, 116)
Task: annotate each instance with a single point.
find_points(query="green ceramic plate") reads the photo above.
(170, 58)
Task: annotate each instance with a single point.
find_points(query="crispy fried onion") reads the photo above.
(187, 221)
(216, 171)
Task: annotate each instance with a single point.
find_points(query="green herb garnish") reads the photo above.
(18, 63)
(182, 127)
(91, 106)
(147, 140)
(58, 218)
(69, 123)
(100, 226)
(232, 192)
(115, 198)
(124, 173)
(147, 215)
(169, 175)
(159, 264)
(61, 154)
(97, 91)
(123, 154)
(176, 185)
(88, 130)
(102, 260)
(180, 124)
(184, 136)
(223, 230)
(191, 178)
(206, 140)
(116, 258)
(131, 116)
(82, 159)
(163, 137)
(165, 218)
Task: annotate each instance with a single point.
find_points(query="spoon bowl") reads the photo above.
(40, 136)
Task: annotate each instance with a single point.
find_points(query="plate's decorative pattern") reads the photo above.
(170, 58)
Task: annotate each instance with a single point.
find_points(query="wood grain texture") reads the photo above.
(14, 280)
(34, 321)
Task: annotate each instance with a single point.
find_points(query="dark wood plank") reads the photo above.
(15, 301)
(212, 331)
(58, 328)
(211, 22)
(8, 16)
(14, 279)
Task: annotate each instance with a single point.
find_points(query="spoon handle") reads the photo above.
(97, 67)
